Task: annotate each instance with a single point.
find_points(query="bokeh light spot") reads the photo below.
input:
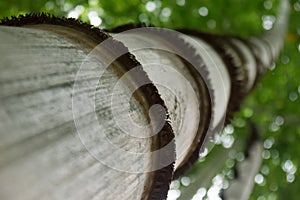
(203, 11)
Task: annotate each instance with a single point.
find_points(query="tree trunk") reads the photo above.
(83, 118)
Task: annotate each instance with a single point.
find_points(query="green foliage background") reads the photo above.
(273, 105)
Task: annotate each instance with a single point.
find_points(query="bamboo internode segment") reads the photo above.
(58, 126)
(218, 76)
